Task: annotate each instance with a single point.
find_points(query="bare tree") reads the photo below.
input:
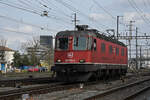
(30, 48)
(37, 52)
(34, 44)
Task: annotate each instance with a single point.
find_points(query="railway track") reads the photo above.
(126, 92)
(25, 81)
(134, 95)
(41, 89)
(51, 87)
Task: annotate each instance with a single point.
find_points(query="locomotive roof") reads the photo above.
(89, 32)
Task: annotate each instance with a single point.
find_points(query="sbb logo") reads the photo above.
(70, 54)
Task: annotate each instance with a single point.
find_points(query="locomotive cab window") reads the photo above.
(80, 43)
(62, 43)
(110, 49)
(117, 51)
(102, 47)
(122, 52)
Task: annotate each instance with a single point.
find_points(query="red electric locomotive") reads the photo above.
(86, 54)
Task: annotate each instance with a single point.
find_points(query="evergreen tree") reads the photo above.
(17, 59)
(25, 60)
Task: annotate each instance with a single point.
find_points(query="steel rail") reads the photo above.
(25, 81)
(108, 92)
(35, 90)
(133, 95)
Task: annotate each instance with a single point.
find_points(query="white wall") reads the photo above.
(9, 56)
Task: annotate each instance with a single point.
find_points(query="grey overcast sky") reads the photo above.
(20, 20)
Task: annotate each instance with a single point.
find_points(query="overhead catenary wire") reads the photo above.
(49, 9)
(31, 11)
(22, 22)
(60, 10)
(34, 12)
(29, 4)
(41, 7)
(148, 2)
(145, 4)
(44, 4)
(141, 11)
(92, 20)
(134, 6)
(104, 9)
(107, 12)
(78, 11)
(18, 32)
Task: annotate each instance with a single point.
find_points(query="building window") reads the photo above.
(117, 51)
(102, 47)
(110, 49)
(122, 52)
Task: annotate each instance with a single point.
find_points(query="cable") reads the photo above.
(101, 7)
(145, 4)
(50, 9)
(76, 10)
(17, 21)
(28, 4)
(104, 9)
(51, 17)
(138, 11)
(18, 32)
(41, 5)
(141, 11)
(24, 6)
(31, 11)
(60, 10)
(148, 2)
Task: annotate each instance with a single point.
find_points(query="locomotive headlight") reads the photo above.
(82, 60)
(58, 60)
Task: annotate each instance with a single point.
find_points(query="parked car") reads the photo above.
(33, 69)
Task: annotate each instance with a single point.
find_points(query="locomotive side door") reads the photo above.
(114, 54)
(94, 51)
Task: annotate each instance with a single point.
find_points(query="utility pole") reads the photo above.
(117, 26)
(147, 49)
(140, 55)
(75, 21)
(130, 37)
(136, 49)
(147, 57)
